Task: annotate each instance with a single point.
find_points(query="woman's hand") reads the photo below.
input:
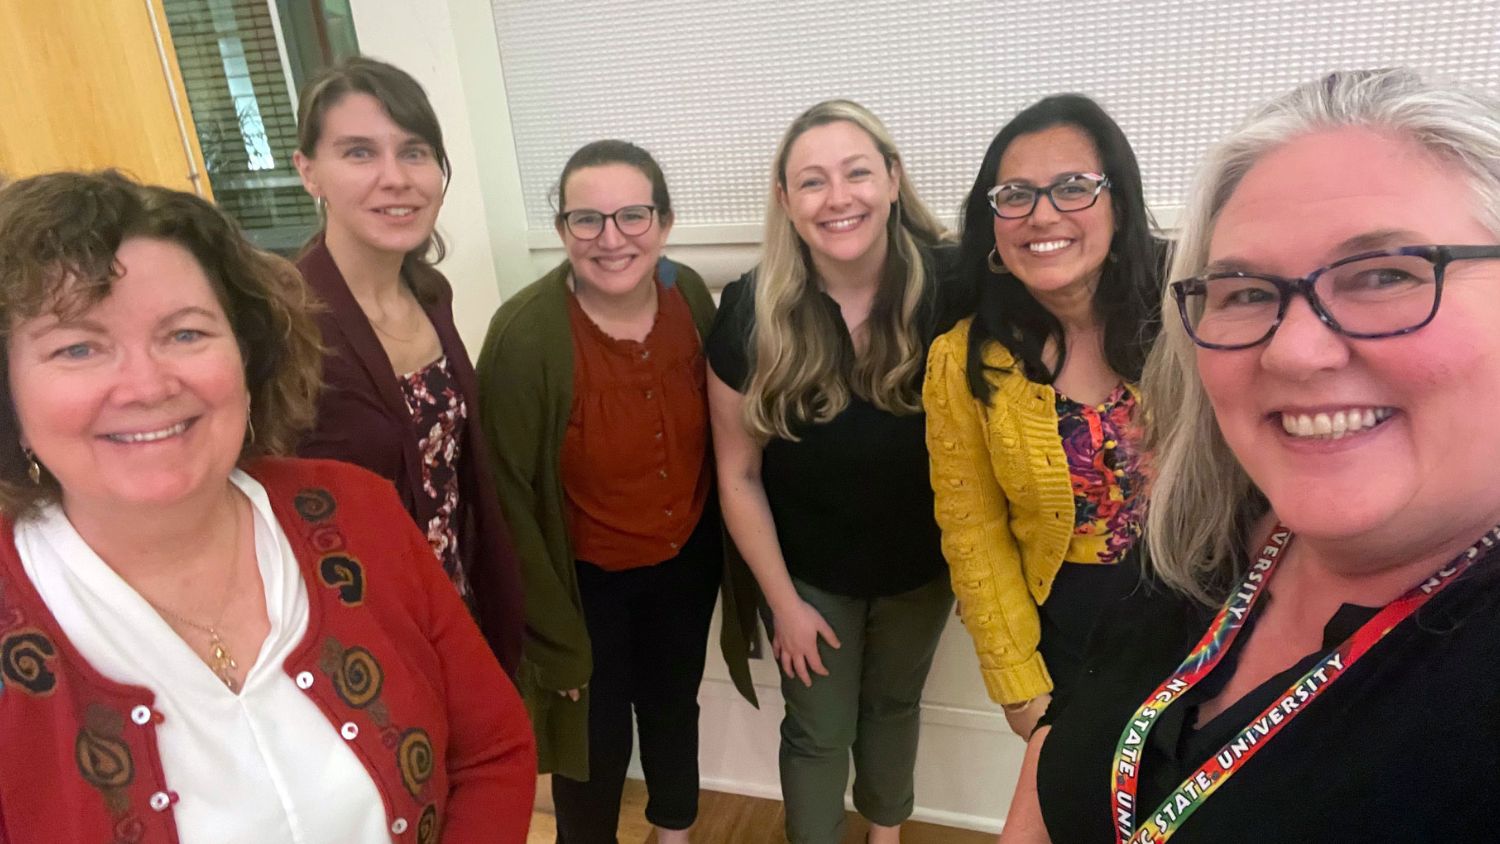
(1022, 717)
(1023, 822)
(796, 626)
(570, 694)
(795, 645)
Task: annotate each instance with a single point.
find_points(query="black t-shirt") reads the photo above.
(1405, 746)
(851, 498)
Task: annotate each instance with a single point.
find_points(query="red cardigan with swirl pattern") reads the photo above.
(391, 657)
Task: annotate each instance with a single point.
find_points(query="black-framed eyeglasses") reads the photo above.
(1013, 201)
(1366, 296)
(631, 220)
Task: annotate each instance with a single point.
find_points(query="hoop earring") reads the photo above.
(250, 430)
(322, 205)
(993, 259)
(33, 468)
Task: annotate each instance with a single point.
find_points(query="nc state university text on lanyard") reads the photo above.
(1226, 625)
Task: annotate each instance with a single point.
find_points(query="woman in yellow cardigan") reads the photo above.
(1028, 402)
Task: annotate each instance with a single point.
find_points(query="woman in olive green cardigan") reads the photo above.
(526, 393)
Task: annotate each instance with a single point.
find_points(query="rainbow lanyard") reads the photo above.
(1226, 625)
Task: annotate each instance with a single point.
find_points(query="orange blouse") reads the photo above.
(635, 466)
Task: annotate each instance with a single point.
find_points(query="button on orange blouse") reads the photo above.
(634, 460)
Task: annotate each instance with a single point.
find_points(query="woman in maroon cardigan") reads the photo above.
(400, 397)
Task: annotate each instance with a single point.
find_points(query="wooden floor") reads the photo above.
(734, 819)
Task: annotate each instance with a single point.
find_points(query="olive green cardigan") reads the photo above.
(525, 397)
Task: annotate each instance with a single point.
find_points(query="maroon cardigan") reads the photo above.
(363, 419)
(390, 657)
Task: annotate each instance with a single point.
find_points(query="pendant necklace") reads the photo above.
(219, 658)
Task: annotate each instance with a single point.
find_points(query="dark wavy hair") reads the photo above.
(59, 235)
(611, 151)
(1126, 301)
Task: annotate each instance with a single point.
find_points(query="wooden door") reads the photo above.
(89, 84)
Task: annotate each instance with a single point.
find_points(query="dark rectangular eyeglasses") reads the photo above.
(631, 220)
(1365, 296)
(1015, 200)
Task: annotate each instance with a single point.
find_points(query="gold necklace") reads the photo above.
(220, 660)
(375, 324)
(396, 337)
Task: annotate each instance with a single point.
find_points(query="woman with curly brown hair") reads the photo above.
(186, 621)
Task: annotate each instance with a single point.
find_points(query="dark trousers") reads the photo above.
(648, 628)
(1081, 593)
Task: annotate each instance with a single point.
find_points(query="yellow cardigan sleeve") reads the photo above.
(984, 559)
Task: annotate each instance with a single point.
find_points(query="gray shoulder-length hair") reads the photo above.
(1202, 502)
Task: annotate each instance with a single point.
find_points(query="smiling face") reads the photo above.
(1053, 252)
(613, 264)
(1413, 468)
(141, 399)
(837, 191)
(382, 184)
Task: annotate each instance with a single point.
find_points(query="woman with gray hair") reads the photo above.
(1322, 531)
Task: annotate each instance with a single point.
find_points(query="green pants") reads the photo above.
(869, 704)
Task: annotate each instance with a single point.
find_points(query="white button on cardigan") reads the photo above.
(262, 765)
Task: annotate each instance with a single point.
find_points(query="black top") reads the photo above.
(1405, 746)
(851, 498)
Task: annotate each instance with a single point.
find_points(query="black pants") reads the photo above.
(648, 628)
(1081, 593)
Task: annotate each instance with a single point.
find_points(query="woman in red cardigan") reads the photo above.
(400, 396)
(198, 641)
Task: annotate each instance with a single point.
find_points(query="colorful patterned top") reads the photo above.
(438, 411)
(1105, 473)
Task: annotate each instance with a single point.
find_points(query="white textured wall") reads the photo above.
(709, 85)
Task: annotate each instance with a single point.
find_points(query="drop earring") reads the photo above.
(33, 468)
(993, 259)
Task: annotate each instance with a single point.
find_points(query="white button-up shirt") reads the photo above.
(262, 765)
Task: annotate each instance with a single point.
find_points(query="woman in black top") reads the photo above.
(1314, 654)
(815, 399)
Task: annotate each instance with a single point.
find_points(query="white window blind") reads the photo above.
(709, 85)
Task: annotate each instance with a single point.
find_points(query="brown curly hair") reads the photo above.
(59, 235)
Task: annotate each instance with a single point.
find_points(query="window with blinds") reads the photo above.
(708, 86)
(234, 58)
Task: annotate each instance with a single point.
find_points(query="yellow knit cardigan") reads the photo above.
(1004, 501)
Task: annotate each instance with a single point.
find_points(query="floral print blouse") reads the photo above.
(1106, 476)
(438, 411)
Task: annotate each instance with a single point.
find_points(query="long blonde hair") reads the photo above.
(1202, 501)
(805, 369)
